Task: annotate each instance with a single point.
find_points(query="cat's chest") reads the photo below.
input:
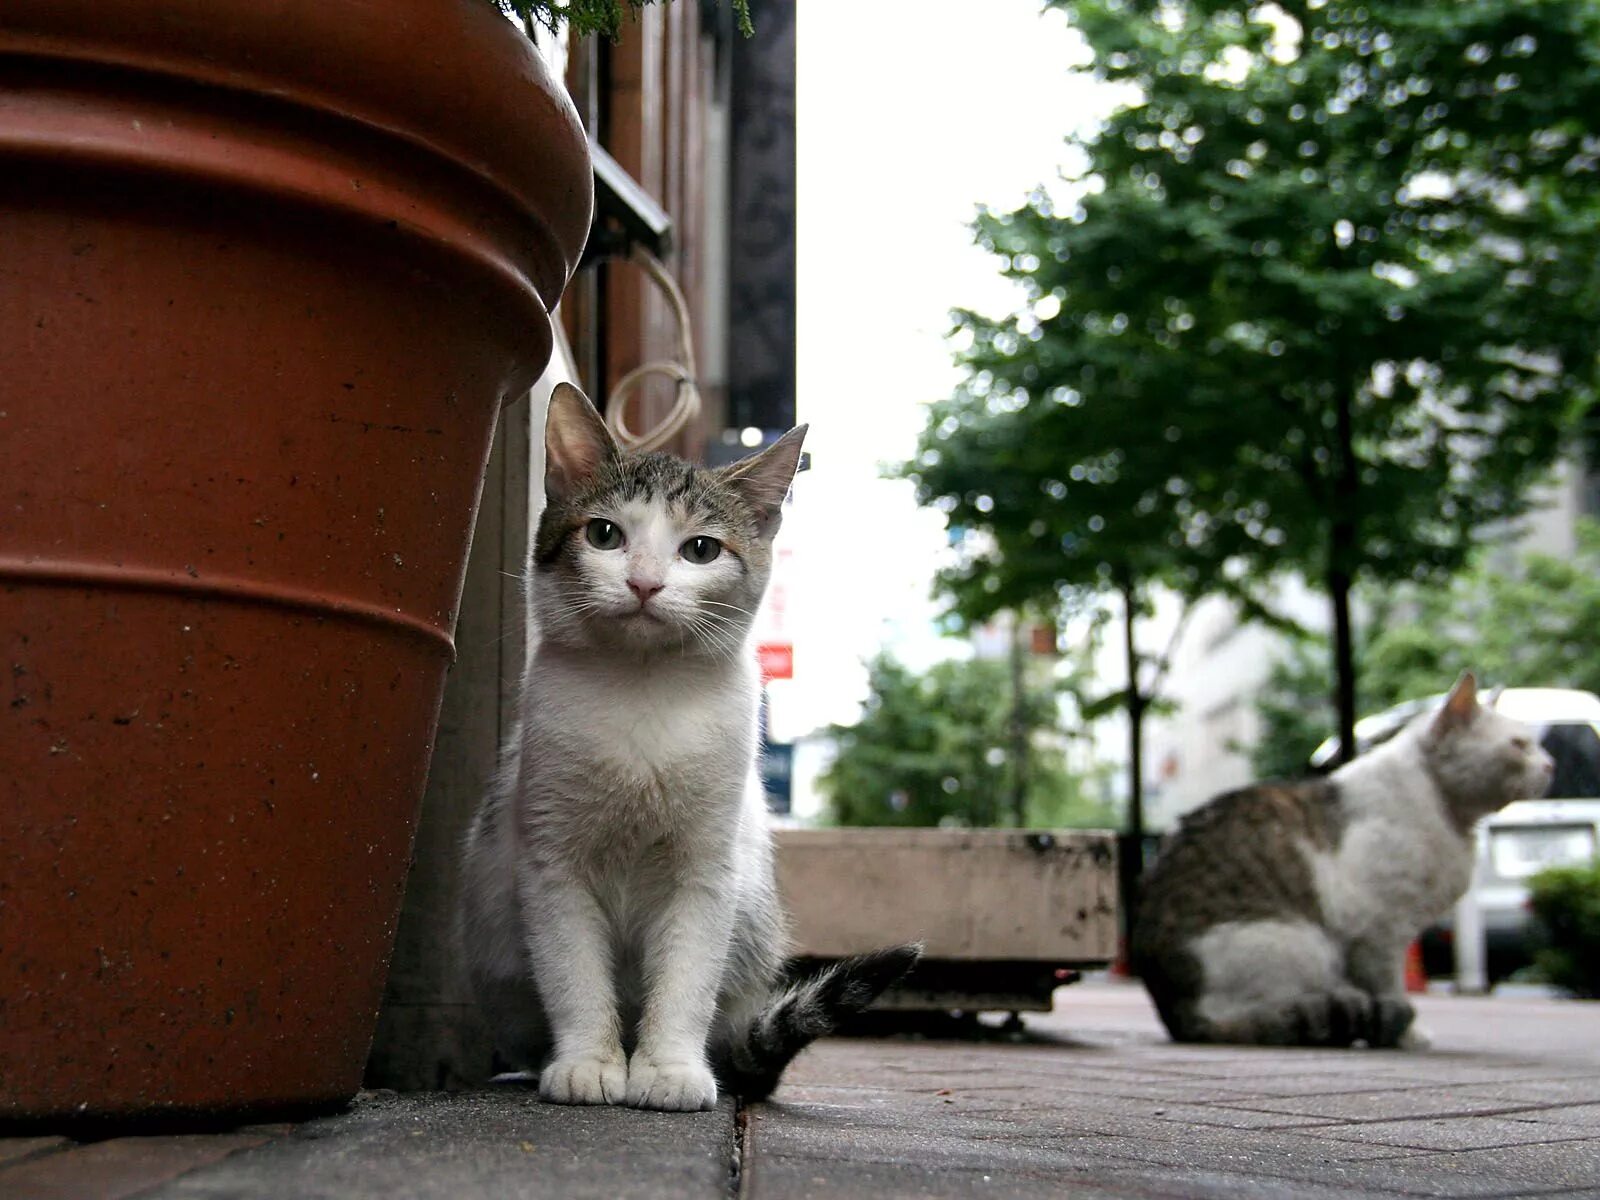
(1406, 867)
(655, 733)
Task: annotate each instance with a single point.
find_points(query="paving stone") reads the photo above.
(1572, 1091)
(790, 1179)
(1452, 1133)
(1108, 1109)
(1119, 1165)
(120, 1167)
(499, 1145)
(1419, 1102)
(987, 1166)
(15, 1149)
(1583, 1117)
(1552, 1168)
(1138, 1116)
(1544, 1165)
(794, 1179)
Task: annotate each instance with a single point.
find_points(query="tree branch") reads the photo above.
(1164, 663)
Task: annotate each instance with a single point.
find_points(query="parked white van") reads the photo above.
(1561, 827)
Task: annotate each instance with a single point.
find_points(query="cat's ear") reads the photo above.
(763, 480)
(576, 443)
(1459, 705)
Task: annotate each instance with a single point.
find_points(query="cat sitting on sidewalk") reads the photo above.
(1280, 913)
(619, 916)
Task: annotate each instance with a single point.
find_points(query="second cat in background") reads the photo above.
(1280, 913)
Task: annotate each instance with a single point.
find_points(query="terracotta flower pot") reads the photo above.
(267, 273)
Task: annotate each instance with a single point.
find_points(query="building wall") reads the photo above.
(703, 119)
(1218, 667)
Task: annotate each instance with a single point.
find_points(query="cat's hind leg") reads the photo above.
(1274, 982)
(517, 1022)
(490, 940)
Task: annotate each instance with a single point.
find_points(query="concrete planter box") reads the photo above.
(1005, 915)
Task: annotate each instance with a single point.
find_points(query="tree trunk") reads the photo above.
(1133, 841)
(1344, 663)
(1343, 547)
(1019, 728)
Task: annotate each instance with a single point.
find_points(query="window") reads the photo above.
(1576, 749)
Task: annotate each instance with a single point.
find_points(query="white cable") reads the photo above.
(686, 406)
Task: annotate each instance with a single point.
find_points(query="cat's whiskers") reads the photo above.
(729, 632)
(723, 621)
(734, 607)
(705, 634)
(577, 606)
(718, 642)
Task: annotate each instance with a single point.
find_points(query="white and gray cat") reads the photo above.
(619, 916)
(1280, 913)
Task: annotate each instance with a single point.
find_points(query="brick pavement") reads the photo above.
(1096, 1103)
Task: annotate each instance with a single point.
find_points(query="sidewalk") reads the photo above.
(1098, 1103)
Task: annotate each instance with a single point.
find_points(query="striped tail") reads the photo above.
(802, 1012)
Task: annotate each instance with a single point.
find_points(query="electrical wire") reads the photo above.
(686, 404)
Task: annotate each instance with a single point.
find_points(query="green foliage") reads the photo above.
(1530, 622)
(586, 17)
(1566, 904)
(1324, 301)
(934, 749)
(1293, 711)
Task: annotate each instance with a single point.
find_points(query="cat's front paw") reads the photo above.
(670, 1086)
(584, 1081)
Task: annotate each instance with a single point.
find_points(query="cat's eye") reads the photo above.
(1523, 744)
(603, 534)
(700, 550)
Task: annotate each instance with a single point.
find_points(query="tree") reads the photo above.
(1532, 623)
(937, 749)
(1293, 714)
(587, 17)
(1324, 301)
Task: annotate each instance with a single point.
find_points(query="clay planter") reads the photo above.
(267, 273)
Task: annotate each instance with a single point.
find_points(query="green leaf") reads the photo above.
(1324, 304)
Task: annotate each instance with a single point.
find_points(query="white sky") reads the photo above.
(909, 116)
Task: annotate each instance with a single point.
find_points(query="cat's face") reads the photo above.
(648, 553)
(1482, 759)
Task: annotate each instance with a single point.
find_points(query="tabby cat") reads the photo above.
(1281, 913)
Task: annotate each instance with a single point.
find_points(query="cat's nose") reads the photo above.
(643, 588)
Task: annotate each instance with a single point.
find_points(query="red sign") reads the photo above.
(777, 660)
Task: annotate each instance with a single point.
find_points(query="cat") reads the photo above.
(1280, 914)
(619, 916)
